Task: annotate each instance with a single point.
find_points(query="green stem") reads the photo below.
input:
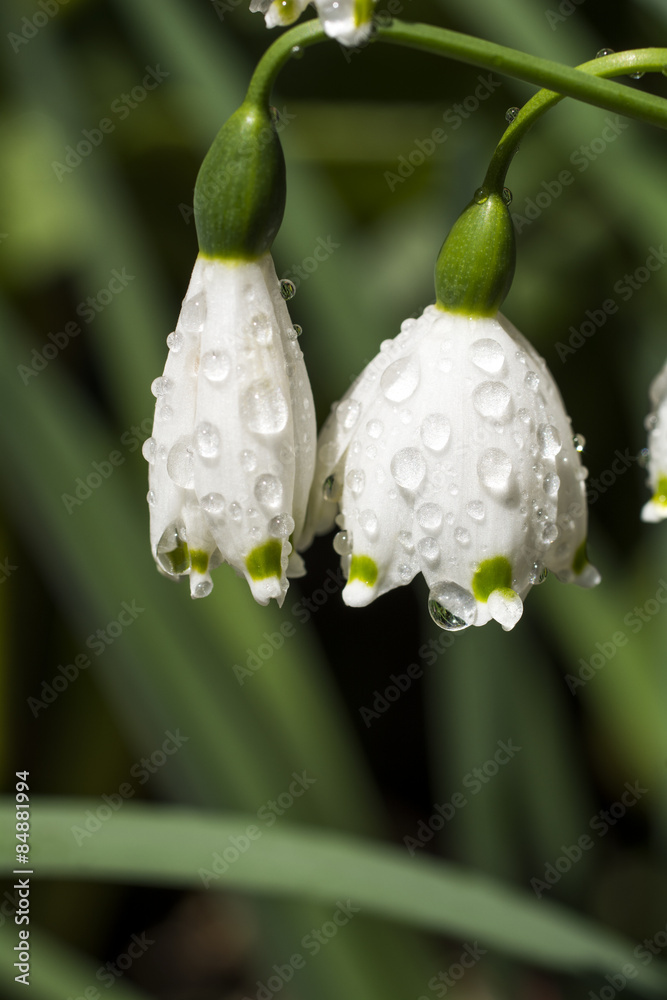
(637, 61)
(285, 47)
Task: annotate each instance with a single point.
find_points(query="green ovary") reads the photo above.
(492, 574)
(660, 495)
(199, 560)
(264, 561)
(364, 569)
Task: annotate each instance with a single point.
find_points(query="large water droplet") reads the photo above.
(488, 355)
(494, 469)
(282, 525)
(579, 442)
(428, 549)
(604, 52)
(400, 379)
(203, 588)
(148, 449)
(429, 517)
(491, 399)
(265, 408)
(408, 468)
(207, 440)
(269, 491)
(161, 386)
(193, 314)
(481, 195)
(549, 441)
(213, 503)
(181, 464)
(331, 489)
(215, 366)
(435, 431)
(342, 543)
(538, 574)
(551, 484)
(347, 413)
(550, 534)
(451, 607)
(287, 287)
(475, 510)
(175, 341)
(172, 551)
(151, 498)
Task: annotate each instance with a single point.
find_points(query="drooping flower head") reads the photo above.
(452, 454)
(232, 450)
(348, 21)
(655, 509)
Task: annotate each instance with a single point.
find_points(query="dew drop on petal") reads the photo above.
(643, 458)
(260, 329)
(287, 287)
(405, 540)
(151, 498)
(579, 442)
(451, 607)
(355, 480)
(172, 551)
(428, 549)
(180, 462)
(203, 588)
(488, 355)
(532, 380)
(163, 410)
(161, 386)
(269, 491)
(549, 441)
(193, 314)
(435, 431)
(331, 489)
(342, 543)
(494, 469)
(551, 484)
(429, 517)
(248, 460)
(207, 440)
(400, 379)
(215, 366)
(281, 526)
(265, 407)
(550, 534)
(462, 536)
(491, 399)
(511, 114)
(235, 511)
(175, 341)
(148, 449)
(347, 413)
(369, 523)
(408, 467)
(405, 572)
(475, 510)
(507, 196)
(212, 503)
(375, 428)
(538, 574)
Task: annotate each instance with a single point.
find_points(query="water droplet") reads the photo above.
(375, 428)
(550, 534)
(151, 498)
(342, 543)
(281, 526)
(428, 549)
(549, 441)
(331, 489)
(511, 114)
(538, 574)
(193, 314)
(491, 399)
(207, 440)
(429, 517)
(462, 536)
(235, 511)
(435, 431)
(265, 408)
(369, 523)
(507, 196)
(148, 449)
(175, 341)
(215, 366)
(287, 289)
(636, 76)
(203, 588)
(480, 195)
(524, 415)
(551, 484)
(274, 112)
(248, 460)
(348, 412)
(405, 540)
(260, 329)
(643, 458)
(532, 380)
(296, 52)
(494, 470)
(451, 607)
(172, 551)
(180, 463)
(355, 480)
(161, 386)
(604, 52)
(163, 410)
(475, 510)
(579, 442)
(488, 355)
(400, 379)
(269, 491)
(405, 572)
(297, 329)
(408, 468)
(213, 503)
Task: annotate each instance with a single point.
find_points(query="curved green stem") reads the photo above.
(637, 61)
(275, 57)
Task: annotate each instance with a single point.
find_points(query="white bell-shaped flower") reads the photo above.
(452, 454)
(348, 21)
(655, 509)
(233, 445)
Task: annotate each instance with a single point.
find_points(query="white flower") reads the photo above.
(348, 21)
(452, 454)
(233, 446)
(655, 509)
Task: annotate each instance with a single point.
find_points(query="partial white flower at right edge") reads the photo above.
(655, 509)
(452, 454)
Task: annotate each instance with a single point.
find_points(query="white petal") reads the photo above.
(656, 508)
(345, 20)
(282, 12)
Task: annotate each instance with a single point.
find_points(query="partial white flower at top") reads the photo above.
(655, 509)
(233, 445)
(348, 21)
(452, 455)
